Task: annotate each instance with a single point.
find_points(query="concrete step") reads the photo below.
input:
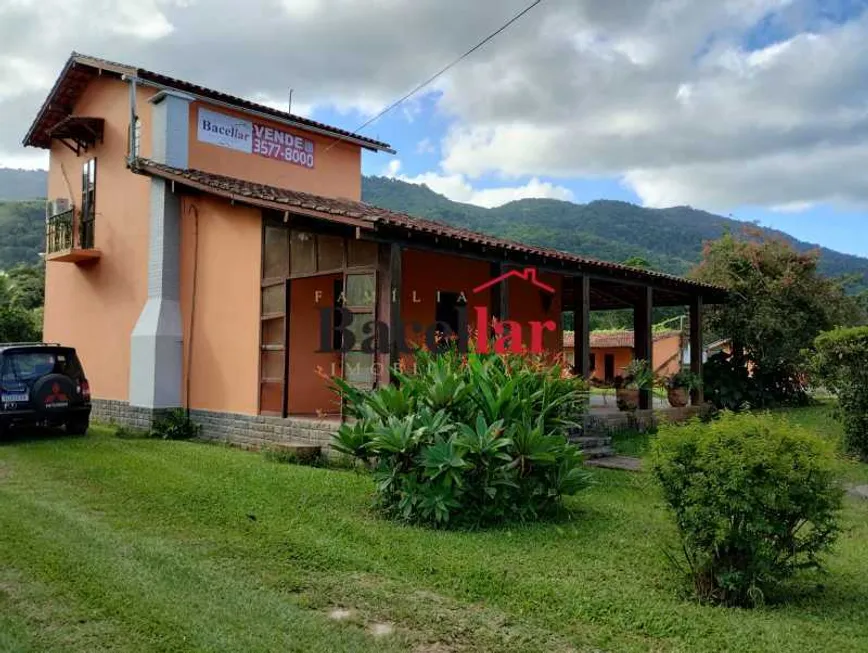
(598, 452)
(301, 451)
(627, 463)
(592, 442)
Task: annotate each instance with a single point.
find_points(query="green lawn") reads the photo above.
(109, 544)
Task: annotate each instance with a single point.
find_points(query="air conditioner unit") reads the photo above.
(57, 206)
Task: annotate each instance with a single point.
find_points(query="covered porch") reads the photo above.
(400, 277)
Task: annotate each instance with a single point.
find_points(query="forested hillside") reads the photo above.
(22, 232)
(22, 184)
(669, 239)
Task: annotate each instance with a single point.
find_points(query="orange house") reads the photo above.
(612, 351)
(207, 252)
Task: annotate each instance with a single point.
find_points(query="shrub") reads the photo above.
(841, 363)
(175, 425)
(727, 382)
(754, 499)
(468, 440)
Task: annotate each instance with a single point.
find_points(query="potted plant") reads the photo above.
(679, 386)
(637, 377)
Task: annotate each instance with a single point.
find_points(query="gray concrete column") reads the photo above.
(156, 343)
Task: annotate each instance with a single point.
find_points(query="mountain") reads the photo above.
(23, 184)
(22, 232)
(669, 239)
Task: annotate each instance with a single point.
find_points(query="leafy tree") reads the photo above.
(637, 262)
(27, 285)
(18, 325)
(778, 304)
(841, 363)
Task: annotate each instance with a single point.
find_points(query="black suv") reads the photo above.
(43, 384)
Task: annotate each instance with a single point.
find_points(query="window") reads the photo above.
(592, 362)
(88, 205)
(449, 305)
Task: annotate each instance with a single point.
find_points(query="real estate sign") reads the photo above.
(250, 137)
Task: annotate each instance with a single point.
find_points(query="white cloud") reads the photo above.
(458, 188)
(793, 207)
(426, 146)
(660, 93)
(393, 168)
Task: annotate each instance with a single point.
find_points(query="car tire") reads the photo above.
(78, 426)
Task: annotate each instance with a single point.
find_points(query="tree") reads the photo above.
(778, 304)
(27, 284)
(18, 325)
(637, 262)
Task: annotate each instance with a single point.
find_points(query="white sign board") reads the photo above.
(254, 138)
(225, 131)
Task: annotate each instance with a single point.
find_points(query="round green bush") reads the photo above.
(841, 363)
(755, 499)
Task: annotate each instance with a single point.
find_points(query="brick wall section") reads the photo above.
(247, 431)
(261, 432)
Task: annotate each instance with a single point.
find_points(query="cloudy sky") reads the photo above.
(752, 108)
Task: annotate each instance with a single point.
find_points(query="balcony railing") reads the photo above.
(69, 237)
(58, 235)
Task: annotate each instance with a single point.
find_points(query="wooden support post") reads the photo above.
(697, 397)
(581, 308)
(643, 339)
(388, 309)
(499, 294)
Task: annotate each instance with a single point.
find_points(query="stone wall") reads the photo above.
(259, 431)
(608, 423)
(248, 431)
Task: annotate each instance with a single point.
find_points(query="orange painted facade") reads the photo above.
(424, 274)
(621, 357)
(337, 170)
(94, 306)
(309, 392)
(666, 357)
(221, 339)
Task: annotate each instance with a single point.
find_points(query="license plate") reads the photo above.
(15, 398)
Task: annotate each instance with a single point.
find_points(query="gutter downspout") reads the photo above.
(133, 145)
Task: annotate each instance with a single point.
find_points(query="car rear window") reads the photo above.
(30, 365)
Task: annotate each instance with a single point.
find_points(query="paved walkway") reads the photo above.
(607, 404)
(859, 491)
(627, 463)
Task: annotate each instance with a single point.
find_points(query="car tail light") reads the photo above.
(84, 389)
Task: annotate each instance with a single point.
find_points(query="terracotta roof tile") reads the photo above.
(67, 83)
(613, 339)
(373, 217)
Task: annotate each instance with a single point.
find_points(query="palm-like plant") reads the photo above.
(468, 439)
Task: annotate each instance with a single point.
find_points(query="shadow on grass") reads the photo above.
(24, 434)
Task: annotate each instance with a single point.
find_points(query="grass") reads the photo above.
(110, 544)
(819, 418)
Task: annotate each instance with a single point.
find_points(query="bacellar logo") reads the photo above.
(501, 336)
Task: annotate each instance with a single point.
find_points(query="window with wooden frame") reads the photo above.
(291, 254)
(272, 343)
(87, 217)
(360, 300)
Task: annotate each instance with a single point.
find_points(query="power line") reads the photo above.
(418, 88)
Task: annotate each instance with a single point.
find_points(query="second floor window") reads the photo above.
(88, 204)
